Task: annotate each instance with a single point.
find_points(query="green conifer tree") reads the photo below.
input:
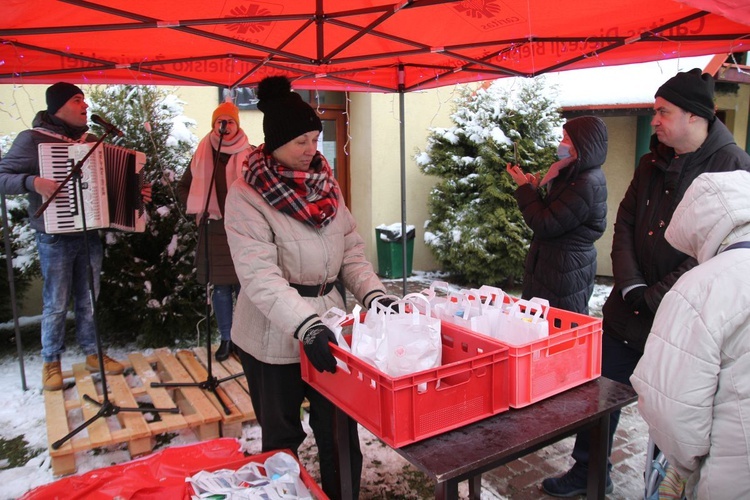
(476, 231)
(148, 287)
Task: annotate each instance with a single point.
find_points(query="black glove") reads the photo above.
(315, 342)
(388, 303)
(636, 299)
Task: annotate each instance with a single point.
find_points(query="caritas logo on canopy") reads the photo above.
(487, 15)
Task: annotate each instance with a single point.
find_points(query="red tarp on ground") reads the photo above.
(346, 44)
(158, 476)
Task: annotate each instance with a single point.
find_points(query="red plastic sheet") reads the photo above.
(159, 476)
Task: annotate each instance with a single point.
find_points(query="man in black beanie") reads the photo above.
(61, 256)
(688, 140)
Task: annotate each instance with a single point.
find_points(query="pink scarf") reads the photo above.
(200, 168)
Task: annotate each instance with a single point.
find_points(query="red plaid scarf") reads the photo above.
(310, 197)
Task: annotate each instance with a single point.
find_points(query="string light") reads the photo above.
(347, 102)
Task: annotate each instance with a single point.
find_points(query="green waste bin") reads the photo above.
(390, 251)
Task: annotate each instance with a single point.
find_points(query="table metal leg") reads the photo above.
(342, 456)
(597, 475)
(447, 490)
(475, 487)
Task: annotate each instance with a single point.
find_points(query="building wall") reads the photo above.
(376, 163)
(619, 168)
(737, 107)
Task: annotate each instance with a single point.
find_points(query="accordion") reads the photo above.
(110, 187)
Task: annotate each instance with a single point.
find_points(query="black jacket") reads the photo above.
(640, 253)
(561, 264)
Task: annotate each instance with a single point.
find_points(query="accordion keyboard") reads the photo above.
(64, 213)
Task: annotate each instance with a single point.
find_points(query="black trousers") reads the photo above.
(277, 393)
(618, 364)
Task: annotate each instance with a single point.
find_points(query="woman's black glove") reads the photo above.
(315, 342)
(388, 303)
(636, 299)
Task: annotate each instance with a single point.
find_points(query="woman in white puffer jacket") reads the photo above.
(693, 381)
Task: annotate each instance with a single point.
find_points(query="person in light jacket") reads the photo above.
(693, 381)
(291, 236)
(567, 216)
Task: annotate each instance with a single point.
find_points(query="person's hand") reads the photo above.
(146, 193)
(315, 343)
(636, 299)
(517, 174)
(534, 179)
(45, 187)
(387, 303)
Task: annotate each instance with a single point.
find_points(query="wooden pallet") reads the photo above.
(237, 407)
(199, 409)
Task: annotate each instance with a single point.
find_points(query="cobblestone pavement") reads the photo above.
(520, 479)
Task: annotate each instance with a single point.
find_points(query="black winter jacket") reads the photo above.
(640, 253)
(561, 263)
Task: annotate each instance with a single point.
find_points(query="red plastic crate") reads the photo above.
(471, 384)
(315, 490)
(568, 357)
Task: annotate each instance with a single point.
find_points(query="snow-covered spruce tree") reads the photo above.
(23, 248)
(476, 231)
(148, 290)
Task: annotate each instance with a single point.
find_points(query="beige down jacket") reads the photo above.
(693, 381)
(270, 250)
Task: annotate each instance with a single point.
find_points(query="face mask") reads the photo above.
(563, 151)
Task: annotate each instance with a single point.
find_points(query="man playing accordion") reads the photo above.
(62, 256)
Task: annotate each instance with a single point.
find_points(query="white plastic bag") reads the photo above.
(333, 319)
(525, 322)
(492, 305)
(432, 293)
(281, 481)
(457, 308)
(401, 341)
(479, 310)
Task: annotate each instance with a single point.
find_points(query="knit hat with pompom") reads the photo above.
(285, 115)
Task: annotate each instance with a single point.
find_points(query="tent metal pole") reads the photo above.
(402, 134)
(12, 285)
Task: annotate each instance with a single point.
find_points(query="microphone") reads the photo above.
(107, 126)
(223, 128)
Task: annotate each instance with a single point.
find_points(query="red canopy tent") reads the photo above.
(355, 45)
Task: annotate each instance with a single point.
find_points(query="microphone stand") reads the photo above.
(211, 383)
(106, 407)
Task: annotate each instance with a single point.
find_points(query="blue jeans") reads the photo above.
(223, 298)
(66, 274)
